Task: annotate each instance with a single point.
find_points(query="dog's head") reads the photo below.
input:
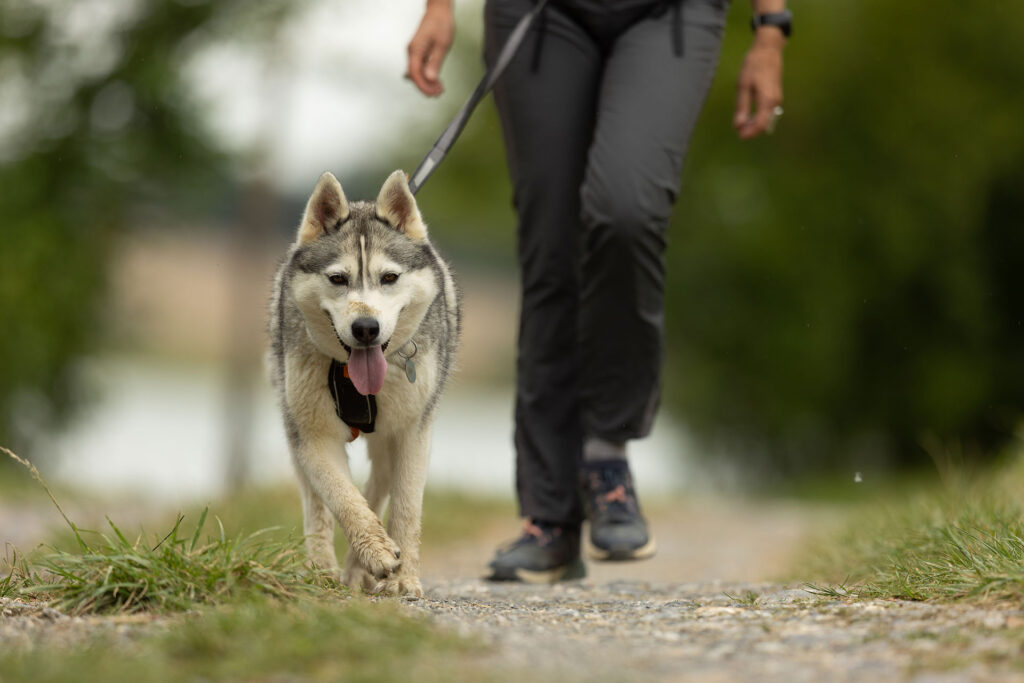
(362, 275)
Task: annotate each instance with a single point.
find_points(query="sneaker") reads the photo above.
(617, 529)
(545, 553)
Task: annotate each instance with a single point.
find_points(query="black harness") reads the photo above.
(357, 411)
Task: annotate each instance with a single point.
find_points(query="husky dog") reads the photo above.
(364, 324)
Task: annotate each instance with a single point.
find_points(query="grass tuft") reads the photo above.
(965, 541)
(176, 574)
(173, 572)
(748, 599)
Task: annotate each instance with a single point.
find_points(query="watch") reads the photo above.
(782, 20)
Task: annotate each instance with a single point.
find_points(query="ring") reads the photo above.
(776, 113)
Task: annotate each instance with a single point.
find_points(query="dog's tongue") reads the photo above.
(366, 369)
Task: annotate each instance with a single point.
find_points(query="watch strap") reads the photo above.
(781, 20)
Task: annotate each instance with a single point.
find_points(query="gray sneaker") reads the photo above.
(545, 553)
(618, 530)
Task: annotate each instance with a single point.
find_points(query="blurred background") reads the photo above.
(844, 296)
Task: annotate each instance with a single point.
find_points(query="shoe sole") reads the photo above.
(569, 572)
(644, 552)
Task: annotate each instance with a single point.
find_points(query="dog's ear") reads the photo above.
(326, 208)
(396, 205)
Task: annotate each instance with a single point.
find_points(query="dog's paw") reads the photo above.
(399, 585)
(377, 553)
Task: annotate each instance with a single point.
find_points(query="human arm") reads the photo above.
(759, 89)
(429, 46)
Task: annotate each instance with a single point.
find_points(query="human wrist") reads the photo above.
(767, 6)
(439, 5)
(769, 37)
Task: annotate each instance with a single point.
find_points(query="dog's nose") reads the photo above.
(365, 330)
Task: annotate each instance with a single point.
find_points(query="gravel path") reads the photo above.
(708, 607)
(639, 631)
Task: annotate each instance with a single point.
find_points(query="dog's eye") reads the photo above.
(337, 279)
(389, 278)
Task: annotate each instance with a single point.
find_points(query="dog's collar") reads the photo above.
(359, 412)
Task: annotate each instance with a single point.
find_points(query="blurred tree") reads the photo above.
(847, 288)
(97, 129)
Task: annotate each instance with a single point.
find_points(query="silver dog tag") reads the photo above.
(410, 367)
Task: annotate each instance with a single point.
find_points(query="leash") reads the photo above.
(451, 133)
(355, 410)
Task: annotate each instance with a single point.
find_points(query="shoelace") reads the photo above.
(617, 501)
(532, 533)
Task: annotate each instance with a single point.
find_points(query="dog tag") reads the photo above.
(410, 367)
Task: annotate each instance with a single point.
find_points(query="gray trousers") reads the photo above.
(596, 120)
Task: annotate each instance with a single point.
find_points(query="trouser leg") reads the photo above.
(547, 117)
(648, 104)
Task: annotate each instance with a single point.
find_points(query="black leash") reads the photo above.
(451, 133)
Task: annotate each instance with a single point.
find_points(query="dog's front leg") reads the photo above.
(366, 536)
(316, 436)
(318, 527)
(411, 456)
(377, 489)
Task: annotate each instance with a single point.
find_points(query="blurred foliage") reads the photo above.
(97, 130)
(847, 289)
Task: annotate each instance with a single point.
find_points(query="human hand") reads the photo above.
(760, 84)
(429, 46)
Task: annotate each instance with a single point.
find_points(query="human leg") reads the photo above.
(547, 109)
(648, 105)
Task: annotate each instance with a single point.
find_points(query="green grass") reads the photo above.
(203, 559)
(747, 599)
(961, 540)
(260, 640)
(172, 572)
(215, 606)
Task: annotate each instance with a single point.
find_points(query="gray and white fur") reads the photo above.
(353, 263)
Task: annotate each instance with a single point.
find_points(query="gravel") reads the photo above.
(634, 630)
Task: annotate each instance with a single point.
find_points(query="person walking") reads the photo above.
(597, 108)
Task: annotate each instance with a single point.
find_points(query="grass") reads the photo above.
(170, 574)
(216, 607)
(960, 540)
(747, 599)
(173, 572)
(82, 572)
(260, 640)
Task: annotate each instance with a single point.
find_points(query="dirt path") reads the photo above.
(710, 606)
(705, 609)
(711, 539)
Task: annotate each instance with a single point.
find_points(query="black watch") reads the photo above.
(782, 20)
